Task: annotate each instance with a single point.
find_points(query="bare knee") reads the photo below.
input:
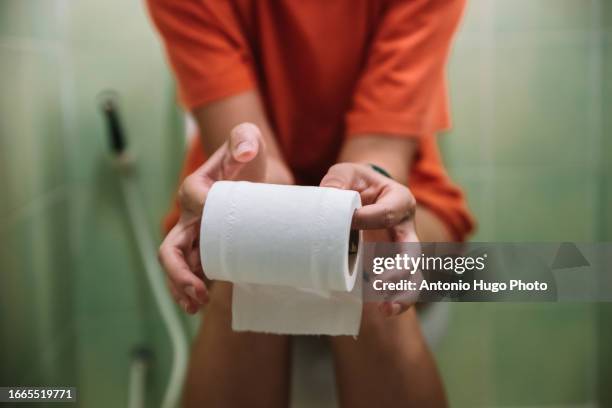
(389, 354)
(220, 299)
(391, 333)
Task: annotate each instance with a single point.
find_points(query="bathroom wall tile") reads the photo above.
(95, 25)
(536, 204)
(154, 135)
(464, 356)
(541, 100)
(472, 21)
(114, 310)
(31, 19)
(509, 354)
(57, 141)
(32, 143)
(606, 70)
(606, 137)
(549, 354)
(36, 308)
(17, 313)
(606, 13)
(463, 146)
(529, 15)
(605, 205)
(604, 331)
(475, 185)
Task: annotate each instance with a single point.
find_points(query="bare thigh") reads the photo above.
(388, 365)
(230, 369)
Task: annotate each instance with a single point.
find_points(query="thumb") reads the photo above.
(339, 176)
(244, 145)
(390, 309)
(244, 142)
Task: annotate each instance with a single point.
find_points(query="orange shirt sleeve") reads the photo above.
(402, 90)
(206, 48)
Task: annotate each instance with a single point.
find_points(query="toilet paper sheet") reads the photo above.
(286, 249)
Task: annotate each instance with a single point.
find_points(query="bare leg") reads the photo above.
(388, 365)
(230, 369)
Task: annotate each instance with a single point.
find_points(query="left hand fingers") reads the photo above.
(394, 205)
(387, 203)
(397, 302)
(390, 309)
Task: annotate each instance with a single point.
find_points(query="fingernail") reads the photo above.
(385, 308)
(184, 304)
(190, 290)
(395, 308)
(243, 147)
(333, 185)
(332, 182)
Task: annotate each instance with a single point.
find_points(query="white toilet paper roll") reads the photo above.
(285, 248)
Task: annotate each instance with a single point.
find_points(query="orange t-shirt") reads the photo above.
(327, 71)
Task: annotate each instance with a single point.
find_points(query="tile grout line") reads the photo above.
(71, 143)
(595, 150)
(595, 153)
(487, 109)
(68, 108)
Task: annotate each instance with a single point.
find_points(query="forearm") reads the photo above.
(215, 121)
(392, 154)
(395, 155)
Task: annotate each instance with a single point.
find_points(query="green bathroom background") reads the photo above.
(531, 91)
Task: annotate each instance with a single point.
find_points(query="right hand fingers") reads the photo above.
(188, 305)
(186, 287)
(241, 157)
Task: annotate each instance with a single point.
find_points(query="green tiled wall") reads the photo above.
(531, 97)
(73, 299)
(605, 311)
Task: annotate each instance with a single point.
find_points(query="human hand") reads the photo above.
(241, 157)
(388, 207)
